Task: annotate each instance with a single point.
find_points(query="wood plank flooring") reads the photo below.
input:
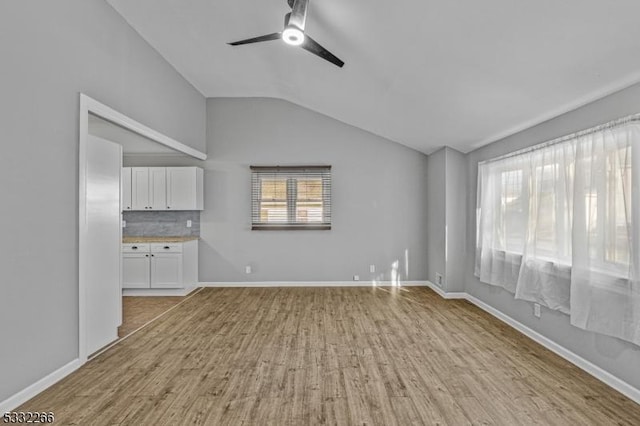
(379, 356)
(137, 311)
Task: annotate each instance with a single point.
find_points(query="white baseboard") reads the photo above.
(444, 294)
(616, 383)
(314, 284)
(157, 291)
(29, 392)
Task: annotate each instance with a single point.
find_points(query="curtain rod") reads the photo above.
(610, 125)
(285, 168)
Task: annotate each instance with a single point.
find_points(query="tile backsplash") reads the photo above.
(161, 224)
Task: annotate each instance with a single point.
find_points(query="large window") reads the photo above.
(559, 225)
(284, 198)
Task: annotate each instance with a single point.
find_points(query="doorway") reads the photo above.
(100, 232)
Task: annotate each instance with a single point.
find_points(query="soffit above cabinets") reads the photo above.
(422, 73)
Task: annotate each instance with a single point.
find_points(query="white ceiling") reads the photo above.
(422, 73)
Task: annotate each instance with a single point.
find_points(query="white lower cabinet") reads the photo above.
(135, 270)
(166, 270)
(160, 265)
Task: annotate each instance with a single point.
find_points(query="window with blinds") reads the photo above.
(291, 197)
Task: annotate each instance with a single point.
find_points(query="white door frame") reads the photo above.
(89, 105)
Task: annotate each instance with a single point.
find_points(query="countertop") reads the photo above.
(130, 240)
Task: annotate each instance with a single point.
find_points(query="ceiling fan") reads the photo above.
(293, 33)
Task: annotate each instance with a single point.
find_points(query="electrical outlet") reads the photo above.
(247, 269)
(124, 223)
(372, 268)
(536, 310)
(188, 224)
(438, 279)
(356, 277)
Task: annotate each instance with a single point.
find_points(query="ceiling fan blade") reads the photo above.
(268, 37)
(299, 13)
(312, 46)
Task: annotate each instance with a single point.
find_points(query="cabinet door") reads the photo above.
(125, 189)
(136, 270)
(181, 188)
(157, 188)
(166, 270)
(140, 188)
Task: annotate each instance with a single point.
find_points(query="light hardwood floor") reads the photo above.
(335, 356)
(137, 311)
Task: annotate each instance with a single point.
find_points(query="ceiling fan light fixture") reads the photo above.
(293, 36)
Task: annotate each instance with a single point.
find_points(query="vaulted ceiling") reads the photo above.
(423, 73)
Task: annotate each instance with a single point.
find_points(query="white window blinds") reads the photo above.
(290, 197)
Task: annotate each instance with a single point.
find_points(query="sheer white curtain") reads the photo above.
(559, 225)
(605, 287)
(545, 273)
(503, 199)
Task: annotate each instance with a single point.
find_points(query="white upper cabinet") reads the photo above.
(184, 188)
(157, 188)
(140, 199)
(125, 189)
(162, 188)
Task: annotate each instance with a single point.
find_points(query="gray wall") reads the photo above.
(620, 358)
(51, 51)
(456, 218)
(378, 200)
(446, 217)
(436, 214)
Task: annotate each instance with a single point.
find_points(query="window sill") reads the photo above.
(606, 273)
(291, 227)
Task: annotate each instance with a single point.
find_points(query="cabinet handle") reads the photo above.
(134, 248)
(167, 247)
(168, 207)
(146, 255)
(153, 255)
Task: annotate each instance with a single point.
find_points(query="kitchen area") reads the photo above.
(160, 225)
